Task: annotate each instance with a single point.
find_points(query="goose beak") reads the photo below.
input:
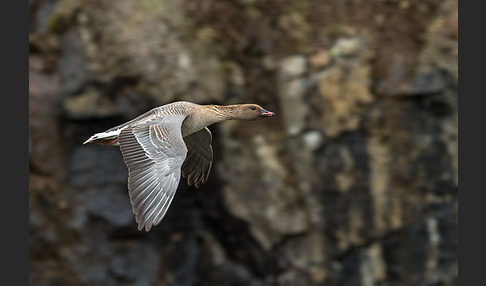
(266, 113)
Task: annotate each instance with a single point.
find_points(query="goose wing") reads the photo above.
(199, 158)
(154, 153)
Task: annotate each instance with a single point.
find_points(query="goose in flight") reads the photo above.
(165, 141)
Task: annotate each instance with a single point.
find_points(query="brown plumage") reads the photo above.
(165, 141)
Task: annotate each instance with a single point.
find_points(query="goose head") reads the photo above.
(248, 112)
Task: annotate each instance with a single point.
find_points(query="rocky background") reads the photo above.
(354, 182)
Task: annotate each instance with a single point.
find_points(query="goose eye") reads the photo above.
(253, 108)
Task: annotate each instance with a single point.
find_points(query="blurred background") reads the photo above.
(354, 182)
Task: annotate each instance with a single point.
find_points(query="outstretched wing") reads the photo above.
(154, 153)
(199, 158)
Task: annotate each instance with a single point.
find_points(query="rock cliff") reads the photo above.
(354, 182)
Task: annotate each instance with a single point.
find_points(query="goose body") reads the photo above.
(163, 142)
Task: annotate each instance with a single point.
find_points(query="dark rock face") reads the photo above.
(354, 182)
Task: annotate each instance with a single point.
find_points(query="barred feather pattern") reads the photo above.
(180, 107)
(154, 153)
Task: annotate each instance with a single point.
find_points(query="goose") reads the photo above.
(164, 142)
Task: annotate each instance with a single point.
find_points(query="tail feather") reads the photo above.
(105, 138)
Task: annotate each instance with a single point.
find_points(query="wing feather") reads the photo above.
(154, 153)
(199, 158)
